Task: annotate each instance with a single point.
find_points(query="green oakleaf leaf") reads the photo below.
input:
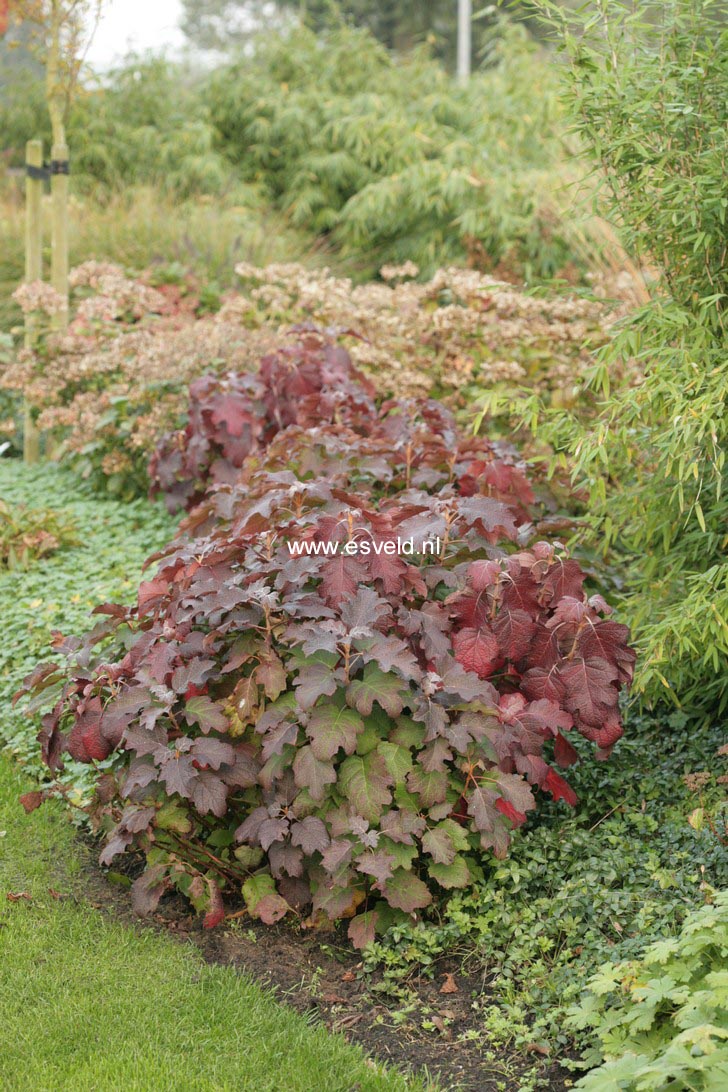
(398, 760)
(455, 874)
(330, 727)
(443, 841)
(364, 782)
(262, 899)
(431, 788)
(375, 685)
(407, 892)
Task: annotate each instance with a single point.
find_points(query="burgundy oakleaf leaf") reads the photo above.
(478, 651)
(590, 692)
(310, 834)
(564, 753)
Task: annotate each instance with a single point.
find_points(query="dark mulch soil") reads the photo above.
(319, 974)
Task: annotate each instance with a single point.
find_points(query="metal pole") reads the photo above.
(33, 272)
(465, 18)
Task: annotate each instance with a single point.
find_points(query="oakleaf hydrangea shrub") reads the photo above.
(353, 673)
(230, 416)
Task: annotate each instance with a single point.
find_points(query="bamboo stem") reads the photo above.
(33, 272)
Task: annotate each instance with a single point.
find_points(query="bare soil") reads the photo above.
(320, 974)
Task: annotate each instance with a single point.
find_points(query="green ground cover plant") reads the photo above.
(580, 890)
(59, 591)
(662, 1021)
(27, 534)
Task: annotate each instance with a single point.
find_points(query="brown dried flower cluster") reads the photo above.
(696, 782)
(458, 332)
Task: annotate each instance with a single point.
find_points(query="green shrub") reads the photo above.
(662, 1021)
(145, 123)
(391, 159)
(650, 103)
(382, 156)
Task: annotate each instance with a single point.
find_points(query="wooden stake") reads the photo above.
(33, 272)
(59, 228)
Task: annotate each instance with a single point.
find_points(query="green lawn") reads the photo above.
(87, 1003)
(90, 1004)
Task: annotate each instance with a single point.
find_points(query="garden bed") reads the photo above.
(437, 1035)
(578, 889)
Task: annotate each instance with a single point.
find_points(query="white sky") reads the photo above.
(135, 24)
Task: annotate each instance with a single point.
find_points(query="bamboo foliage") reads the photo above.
(391, 160)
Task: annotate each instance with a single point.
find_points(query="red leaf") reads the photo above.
(339, 579)
(471, 608)
(478, 651)
(515, 630)
(559, 788)
(507, 809)
(32, 800)
(85, 740)
(608, 641)
(564, 753)
(590, 695)
(564, 577)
